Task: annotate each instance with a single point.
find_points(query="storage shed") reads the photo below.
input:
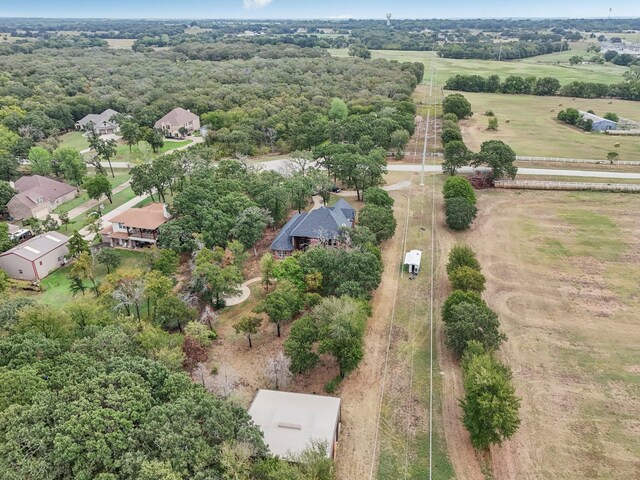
(291, 421)
(599, 124)
(412, 259)
(36, 258)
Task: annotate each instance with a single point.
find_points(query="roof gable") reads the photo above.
(176, 117)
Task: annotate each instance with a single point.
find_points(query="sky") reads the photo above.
(296, 9)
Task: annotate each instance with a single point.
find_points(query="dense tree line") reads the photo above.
(514, 84)
(55, 41)
(495, 51)
(244, 51)
(490, 406)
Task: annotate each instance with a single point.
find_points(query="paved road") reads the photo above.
(282, 163)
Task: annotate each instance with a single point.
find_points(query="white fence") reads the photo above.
(577, 160)
(550, 185)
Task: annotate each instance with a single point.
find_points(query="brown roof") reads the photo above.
(177, 116)
(32, 187)
(150, 216)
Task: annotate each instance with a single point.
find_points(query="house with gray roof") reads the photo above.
(319, 226)
(36, 258)
(599, 124)
(100, 122)
(37, 196)
(178, 122)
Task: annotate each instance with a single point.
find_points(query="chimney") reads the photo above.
(165, 212)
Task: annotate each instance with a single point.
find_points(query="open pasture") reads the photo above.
(534, 130)
(551, 65)
(562, 273)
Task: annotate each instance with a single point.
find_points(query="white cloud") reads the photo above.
(256, 4)
(341, 17)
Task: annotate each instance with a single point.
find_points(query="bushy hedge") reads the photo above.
(459, 213)
(459, 187)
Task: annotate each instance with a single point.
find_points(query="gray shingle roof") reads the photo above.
(99, 119)
(320, 223)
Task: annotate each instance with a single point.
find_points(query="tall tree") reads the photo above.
(70, 163)
(250, 226)
(282, 304)
(6, 194)
(105, 149)
(77, 245)
(97, 186)
(248, 326)
(40, 159)
(109, 257)
(456, 155)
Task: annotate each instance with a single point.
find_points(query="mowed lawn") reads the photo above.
(562, 273)
(75, 140)
(123, 154)
(56, 286)
(534, 130)
(121, 176)
(550, 65)
(79, 222)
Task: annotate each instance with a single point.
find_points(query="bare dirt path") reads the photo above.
(360, 391)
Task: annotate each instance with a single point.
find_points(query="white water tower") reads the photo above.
(388, 19)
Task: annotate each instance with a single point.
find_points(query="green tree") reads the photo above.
(97, 186)
(131, 133)
(458, 105)
(250, 226)
(359, 50)
(459, 187)
(5, 239)
(450, 135)
(172, 313)
(611, 116)
(611, 156)
(40, 159)
(213, 281)
(299, 344)
(76, 285)
(498, 156)
(64, 220)
(490, 406)
(70, 163)
(6, 194)
(462, 256)
(18, 387)
(457, 297)
(282, 304)
(456, 155)
(45, 320)
(399, 140)
(267, 264)
(467, 279)
(164, 260)
(576, 60)
(299, 189)
(156, 287)
(105, 149)
(77, 245)
(379, 220)
(459, 213)
(493, 124)
(338, 110)
(248, 326)
(378, 196)
(473, 321)
(83, 269)
(109, 257)
(153, 137)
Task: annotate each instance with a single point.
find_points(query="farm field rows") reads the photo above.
(562, 270)
(540, 66)
(534, 130)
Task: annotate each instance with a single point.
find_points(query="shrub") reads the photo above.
(377, 196)
(450, 134)
(459, 187)
(473, 322)
(459, 213)
(611, 116)
(457, 297)
(458, 105)
(451, 117)
(333, 384)
(493, 124)
(489, 113)
(379, 220)
(462, 256)
(467, 279)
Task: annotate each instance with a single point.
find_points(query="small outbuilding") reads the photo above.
(36, 258)
(599, 124)
(413, 259)
(291, 421)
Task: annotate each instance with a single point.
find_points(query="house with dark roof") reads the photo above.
(36, 258)
(37, 196)
(100, 122)
(320, 226)
(177, 122)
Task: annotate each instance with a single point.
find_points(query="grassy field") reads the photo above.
(118, 199)
(404, 432)
(120, 43)
(533, 128)
(543, 65)
(121, 176)
(74, 140)
(56, 286)
(563, 279)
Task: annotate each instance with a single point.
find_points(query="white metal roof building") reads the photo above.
(413, 259)
(36, 258)
(290, 421)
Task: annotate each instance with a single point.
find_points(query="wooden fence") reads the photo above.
(551, 185)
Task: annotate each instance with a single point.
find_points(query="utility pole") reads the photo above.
(426, 132)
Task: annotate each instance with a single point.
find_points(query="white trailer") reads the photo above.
(412, 260)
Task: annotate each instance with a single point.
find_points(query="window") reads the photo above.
(40, 262)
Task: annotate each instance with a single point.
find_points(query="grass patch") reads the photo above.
(75, 140)
(121, 176)
(56, 286)
(118, 199)
(554, 247)
(596, 234)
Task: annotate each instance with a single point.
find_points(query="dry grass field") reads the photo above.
(120, 43)
(534, 130)
(562, 272)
